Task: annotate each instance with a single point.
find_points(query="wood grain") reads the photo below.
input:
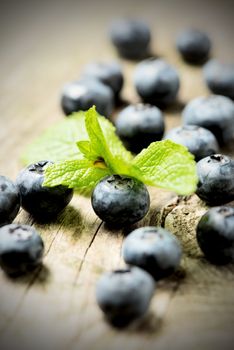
(43, 46)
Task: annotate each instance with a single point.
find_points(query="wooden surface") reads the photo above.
(54, 308)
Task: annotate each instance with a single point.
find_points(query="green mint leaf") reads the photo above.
(82, 174)
(58, 142)
(106, 143)
(87, 150)
(167, 165)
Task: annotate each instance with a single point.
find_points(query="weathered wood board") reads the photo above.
(54, 308)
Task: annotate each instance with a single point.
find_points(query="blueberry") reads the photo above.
(83, 94)
(120, 200)
(215, 113)
(215, 234)
(199, 141)
(9, 201)
(131, 37)
(124, 295)
(153, 249)
(21, 248)
(139, 125)
(194, 46)
(41, 202)
(216, 179)
(219, 78)
(109, 73)
(157, 82)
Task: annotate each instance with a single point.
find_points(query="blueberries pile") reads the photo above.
(151, 253)
(21, 247)
(157, 83)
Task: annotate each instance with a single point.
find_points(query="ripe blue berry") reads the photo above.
(120, 200)
(109, 73)
(216, 179)
(41, 202)
(194, 46)
(83, 94)
(131, 38)
(215, 234)
(157, 82)
(139, 125)
(154, 249)
(21, 248)
(9, 201)
(219, 78)
(124, 295)
(199, 141)
(215, 113)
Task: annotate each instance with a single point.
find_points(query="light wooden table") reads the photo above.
(42, 47)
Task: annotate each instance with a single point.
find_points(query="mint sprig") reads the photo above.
(85, 148)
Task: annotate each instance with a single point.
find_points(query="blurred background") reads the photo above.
(31, 24)
(44, 44)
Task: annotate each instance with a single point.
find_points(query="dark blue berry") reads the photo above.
(139, 125)
(120, 200)
(219, 78)
(194, 46)
(131, 38)
(215, 113)
(215, 234)
(157, 82)
(41, 202)
(109, 73)
(83, 94)
(216, 179)
(9, 201)
(21, 248)
(199, 141)
(124, 295)
(154, 249)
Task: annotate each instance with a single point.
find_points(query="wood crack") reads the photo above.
(85, 254)
(53, 239)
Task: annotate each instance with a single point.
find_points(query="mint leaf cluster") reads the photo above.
(85, 148)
